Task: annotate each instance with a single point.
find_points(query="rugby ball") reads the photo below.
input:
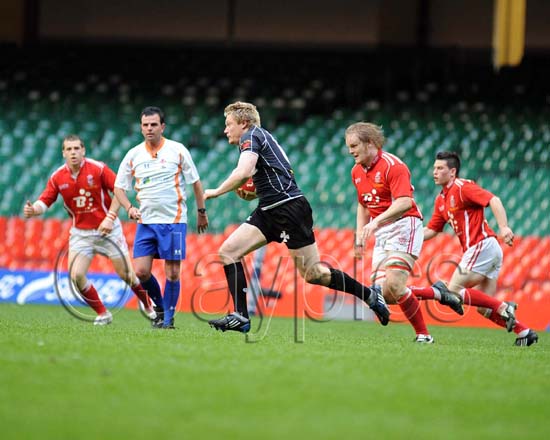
(247, 191)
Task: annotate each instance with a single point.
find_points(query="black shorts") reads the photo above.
(290, 223)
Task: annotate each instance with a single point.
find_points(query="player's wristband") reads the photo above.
(201, 211)
(111, 215)
(129, 207)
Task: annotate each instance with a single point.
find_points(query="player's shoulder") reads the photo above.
(175, 146)
(59, 172)
(94, 164)
(255, 134)
(391, 165)
(135, 150)
(391, 159)
(246, 140)
(172, 143)
(461, 183)
(260, 132)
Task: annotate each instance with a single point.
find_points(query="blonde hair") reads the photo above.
(368, 132)
(243, 112)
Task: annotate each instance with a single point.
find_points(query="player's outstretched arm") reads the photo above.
(133, 212)
(33, 209)
(202, 217)
(108, 222)
(363, 218)
(505, 232)
(429, 233)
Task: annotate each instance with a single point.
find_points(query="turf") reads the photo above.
(64, 378)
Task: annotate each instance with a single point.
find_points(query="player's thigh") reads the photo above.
(145, 242)
(241, 242)
(79, 264)
(485, 258)
(112, 245)
(143, 266)
(397, 246)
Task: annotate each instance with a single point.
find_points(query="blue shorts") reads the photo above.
(165, 241)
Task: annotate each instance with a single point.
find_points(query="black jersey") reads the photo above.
(274, 177)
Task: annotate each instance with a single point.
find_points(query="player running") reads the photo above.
(461, 203)
(283, 215)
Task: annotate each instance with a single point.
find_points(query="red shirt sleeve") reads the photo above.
(49, 195)
(108, 178)
(471, 192)
(399, 180)
(354, 184)
(437, 222)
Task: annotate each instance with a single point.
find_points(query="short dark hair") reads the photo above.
(72, 137)
(150, 111)
(452, 159)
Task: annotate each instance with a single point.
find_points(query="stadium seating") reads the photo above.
(500, 145)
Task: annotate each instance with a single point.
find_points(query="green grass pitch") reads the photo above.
(61, 378)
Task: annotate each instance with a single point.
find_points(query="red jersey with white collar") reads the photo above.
(461, 203)
(379, 185)
(85, 195)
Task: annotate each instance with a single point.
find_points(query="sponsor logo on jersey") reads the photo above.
(246, 145)
(90, 180)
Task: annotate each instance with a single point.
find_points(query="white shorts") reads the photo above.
(404, 236)
(90, 242)
(485, 258)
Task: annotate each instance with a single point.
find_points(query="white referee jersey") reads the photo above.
(159, 180)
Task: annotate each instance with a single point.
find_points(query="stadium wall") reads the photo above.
(448, 23)
(28, 265)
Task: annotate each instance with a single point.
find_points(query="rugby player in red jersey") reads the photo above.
(386, 210)
(461, 203)
(84, 185)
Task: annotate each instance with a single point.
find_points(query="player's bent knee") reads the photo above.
(228, 255)
(143, 274)
(393, 291)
